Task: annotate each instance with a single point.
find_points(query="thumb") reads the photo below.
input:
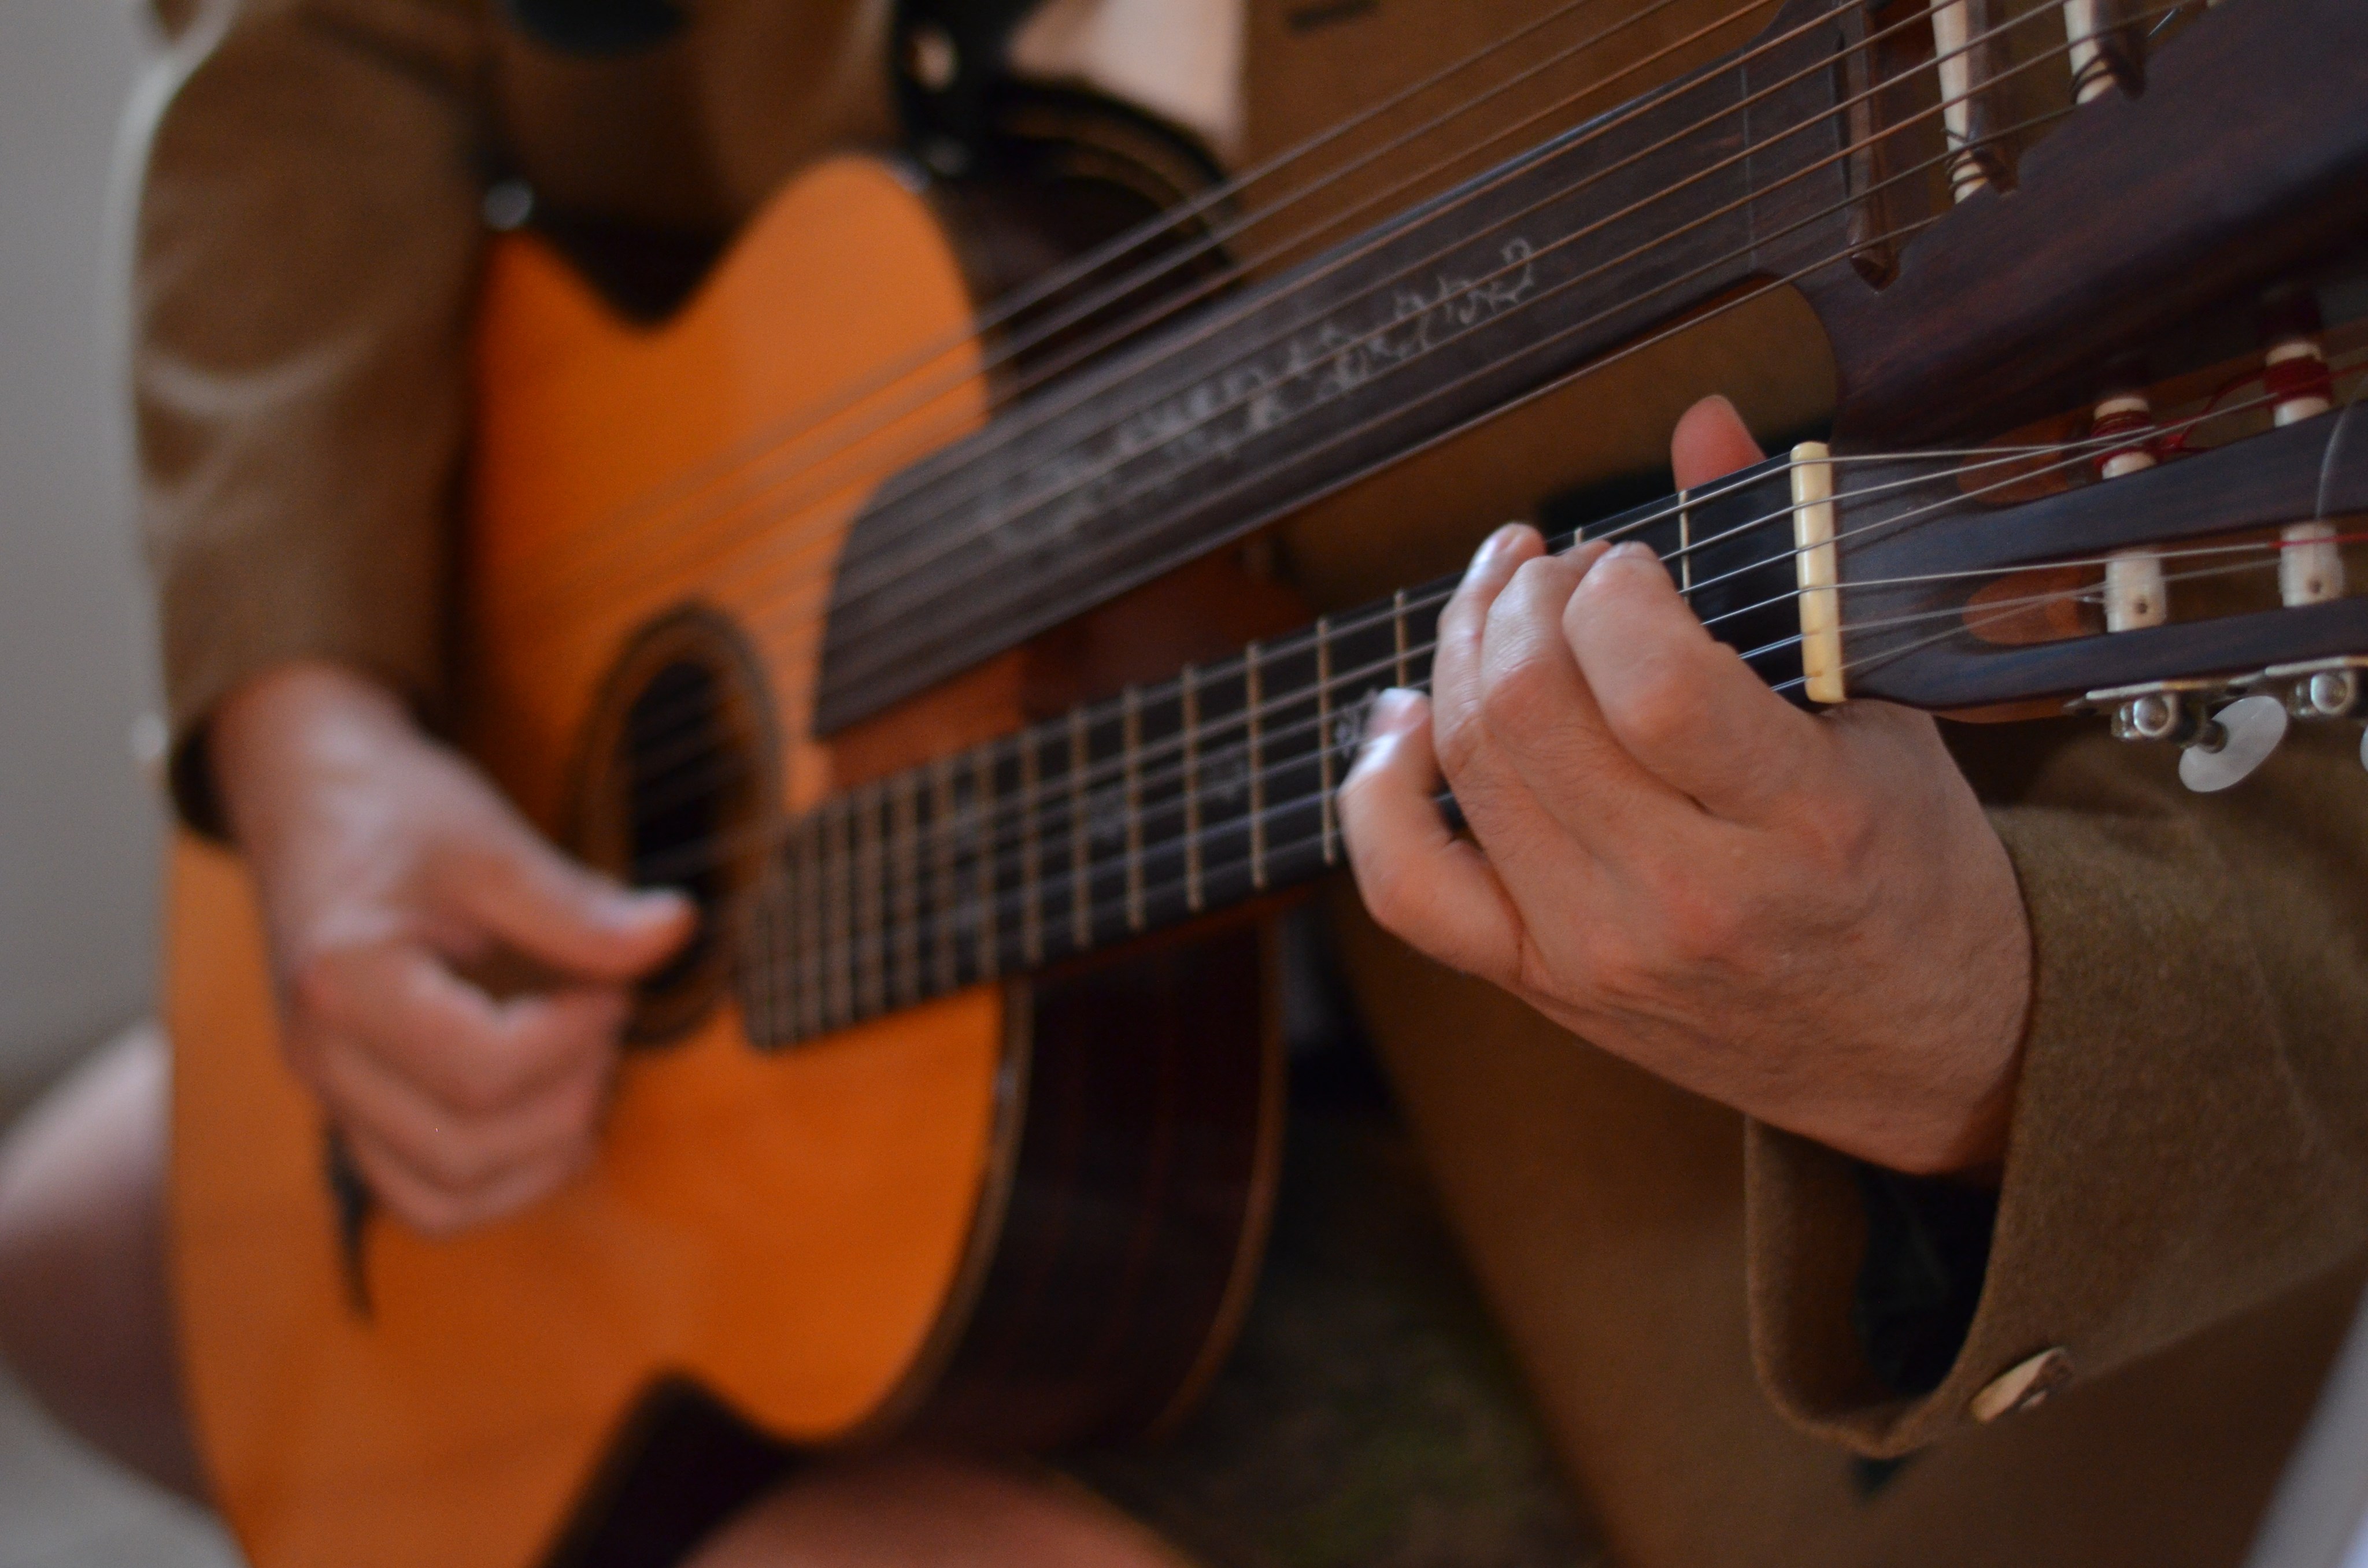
(554, 910)
(1710, 441)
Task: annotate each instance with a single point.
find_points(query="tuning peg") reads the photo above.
(2235, 741)
(2218, 746)
(2322, 688)
(2173, 713)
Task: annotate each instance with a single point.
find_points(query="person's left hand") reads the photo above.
(1804, 916)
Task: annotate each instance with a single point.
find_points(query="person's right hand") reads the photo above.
(388, 866)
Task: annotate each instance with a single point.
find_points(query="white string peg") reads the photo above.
(1966, 47)
(2102, 47)
(2310, 562)
(2135, 593)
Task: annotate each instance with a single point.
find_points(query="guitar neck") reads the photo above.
(1169, 802)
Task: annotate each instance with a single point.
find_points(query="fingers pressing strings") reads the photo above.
(1159, 763)
(1735, 798)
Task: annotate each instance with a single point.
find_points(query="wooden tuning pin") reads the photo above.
(2135, 594)
(1967, 49)
(2310, 562)
(2107, 48)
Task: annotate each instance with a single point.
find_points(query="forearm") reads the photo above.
(306, 251)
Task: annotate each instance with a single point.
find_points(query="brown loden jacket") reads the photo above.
(2185, 1192)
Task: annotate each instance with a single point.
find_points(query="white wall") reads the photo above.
(78, 826)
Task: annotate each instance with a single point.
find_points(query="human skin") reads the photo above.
(390, 870)
(1804, 916)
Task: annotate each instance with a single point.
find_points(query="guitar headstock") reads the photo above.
(2190, 562)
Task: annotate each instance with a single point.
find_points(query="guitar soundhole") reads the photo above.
(678, 789)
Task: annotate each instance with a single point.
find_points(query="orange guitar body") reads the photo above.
(807, 1235)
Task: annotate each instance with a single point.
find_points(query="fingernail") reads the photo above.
(1501, 541)
(1393, 714)
(643, 906)
(1393, 711)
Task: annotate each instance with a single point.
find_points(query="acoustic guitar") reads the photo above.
(960, 1116)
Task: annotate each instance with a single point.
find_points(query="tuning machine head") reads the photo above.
(2221, 742)
(2322, 688)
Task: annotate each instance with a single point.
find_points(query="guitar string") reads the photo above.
(1296, 645)
(902, 570)
(1164, 222)
(1986, 615)
(869, 944)
(1024, 812)
(1109, 770)
(838, 874)
(796, 539)
(1991, 611)
(1987, 456)
(1890, 655)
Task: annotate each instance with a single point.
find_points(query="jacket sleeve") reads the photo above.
(2191, 1133)
(306, 244)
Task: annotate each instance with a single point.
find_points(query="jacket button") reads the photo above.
(2024, 1384)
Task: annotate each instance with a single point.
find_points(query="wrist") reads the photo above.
(291, 727)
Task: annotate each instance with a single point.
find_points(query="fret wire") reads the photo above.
(942, 846)
(1324, 735)
(904, 833)
(990, 951)
(1685, 543)
(870, 902)
(810, 922)
(1031, 915)
(1081, 877)
(1131, 741)
(1285, 846)
(1188, 690)
(1257, 781)
(842, 898)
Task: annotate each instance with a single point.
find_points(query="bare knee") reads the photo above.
(83, 1320)
(923, 1511)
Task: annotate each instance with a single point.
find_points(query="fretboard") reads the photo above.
(1168, 801)
(1396, 340)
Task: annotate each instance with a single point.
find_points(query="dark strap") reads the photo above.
(947, 57)
(595, 27)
